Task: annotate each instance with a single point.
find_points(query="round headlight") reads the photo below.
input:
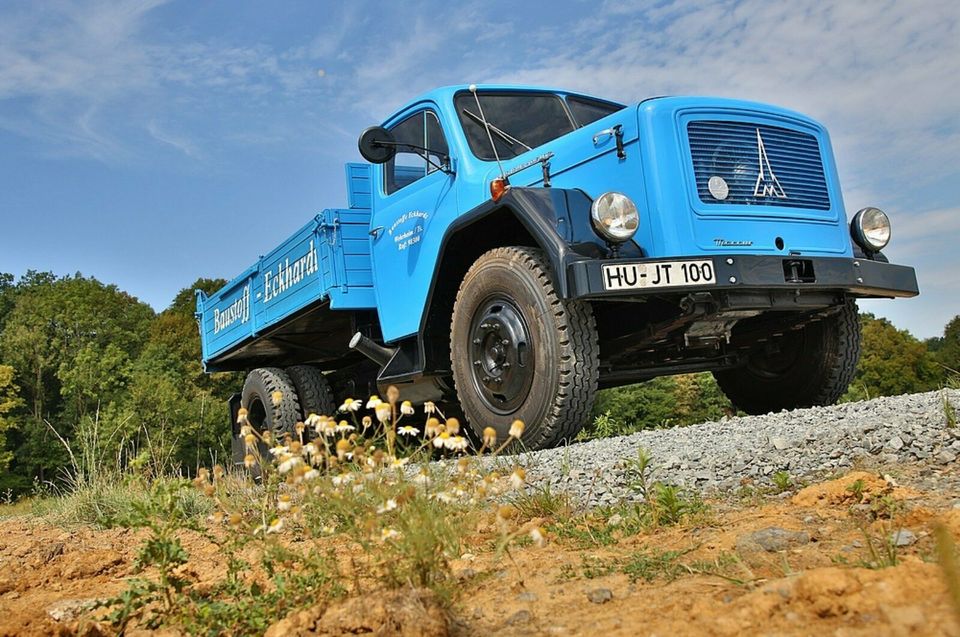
(615, 217)
(870, 228)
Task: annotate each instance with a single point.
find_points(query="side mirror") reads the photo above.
(377, 145)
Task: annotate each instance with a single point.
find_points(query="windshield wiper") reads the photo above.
(505, 136)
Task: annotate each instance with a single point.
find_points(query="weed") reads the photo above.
(856, 490)
(725, 566)
(947, 556)
(542, 502)
(782, 481)
(949, 413)
(649, 566)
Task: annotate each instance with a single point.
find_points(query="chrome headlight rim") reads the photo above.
(870, 229)
(615, 217)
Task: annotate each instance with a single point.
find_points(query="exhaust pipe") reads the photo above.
(374, 351)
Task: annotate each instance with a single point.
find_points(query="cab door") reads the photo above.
(415, 201)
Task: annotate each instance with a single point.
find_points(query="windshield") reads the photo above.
(522, 121)
(518, 121)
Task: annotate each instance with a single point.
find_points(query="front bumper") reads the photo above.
(856, 277)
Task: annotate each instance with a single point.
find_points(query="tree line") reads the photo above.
(92, 378)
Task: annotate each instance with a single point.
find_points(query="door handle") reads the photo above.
(615, 131)
(375, 232)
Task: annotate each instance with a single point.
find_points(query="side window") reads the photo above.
(586, 110)
(409, 165)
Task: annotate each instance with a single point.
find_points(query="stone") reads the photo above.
(600, 595)
(520, 617)
(946, 456)
(780, 444)
(527, 596)
(894, 444)
(772, 539)
(68, 609)
(903, 537)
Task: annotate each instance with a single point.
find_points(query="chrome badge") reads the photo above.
(770, 184)
(718, 188)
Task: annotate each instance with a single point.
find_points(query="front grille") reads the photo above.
(731, 151)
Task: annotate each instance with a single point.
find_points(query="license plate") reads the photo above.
(665, 274)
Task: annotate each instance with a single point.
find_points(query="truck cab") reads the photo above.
(527, 246)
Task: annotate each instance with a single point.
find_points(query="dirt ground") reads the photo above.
(798, 563)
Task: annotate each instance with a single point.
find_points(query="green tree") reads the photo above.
(9, 400)
(892, 362)
(948, 354)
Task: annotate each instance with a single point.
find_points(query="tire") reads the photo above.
(814, 366)
(257, 398)
(510, 324)
(313, 391)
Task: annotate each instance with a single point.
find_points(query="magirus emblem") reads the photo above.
(767, 183)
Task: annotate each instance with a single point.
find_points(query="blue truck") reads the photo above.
(506, 251)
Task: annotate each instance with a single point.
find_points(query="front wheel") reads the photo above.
(520, 352)
(803, 368)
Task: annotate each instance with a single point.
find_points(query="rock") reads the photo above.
(600, 595)
(946, 456)
(68, 609)
(520, 617)
(903, 537)
(465, 574)
(894, 444)
(527, 596)
(780, 444)
(771, 539)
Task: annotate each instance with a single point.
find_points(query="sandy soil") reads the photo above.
(725, 582)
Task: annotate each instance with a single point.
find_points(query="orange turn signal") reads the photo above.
(498, 188)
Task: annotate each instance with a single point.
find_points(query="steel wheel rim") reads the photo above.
(501, 355)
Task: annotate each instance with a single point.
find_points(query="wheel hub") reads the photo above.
(501, 359)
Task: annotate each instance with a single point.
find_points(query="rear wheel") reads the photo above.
(520, 352)
(313, 391)
(271, 400)
(809, 366)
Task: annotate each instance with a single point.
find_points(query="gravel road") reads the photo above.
(716, 456)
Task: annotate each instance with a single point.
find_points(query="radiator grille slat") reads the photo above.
(730, 150)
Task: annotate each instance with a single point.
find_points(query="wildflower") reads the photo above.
(406, 408)
(393, 394)
(312, 420)
(407, 430)
(327, 427)
(456, 443)
(389, 505)
(279, 450)
(384, 412)
(276, 398)
(432, 428)
(342, 479)
(398, 463)
(209, 490)
(374, 402)
(311, 474)
(343, 426)
(235, 519)
(245, 431)
(422, 477)
(429, 408)
(516, 429)
(276, 525)
(441, 439)
(289, 462)
(452, 425)
(249, 460)
(489, 437)
(299, 427)
(267, 437)
(366, 422)
(343, 447)
(311, 449)
(517, 478)
(351, 404)
(250, 441)
(242, 416)
(445, 497)
(536, 534)
(389, 534)
(462, 465)
(284, 503)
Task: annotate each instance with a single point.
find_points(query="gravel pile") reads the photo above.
(716, 456)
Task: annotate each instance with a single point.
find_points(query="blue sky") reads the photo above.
(151, 142)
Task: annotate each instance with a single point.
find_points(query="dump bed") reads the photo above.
(325, 264)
